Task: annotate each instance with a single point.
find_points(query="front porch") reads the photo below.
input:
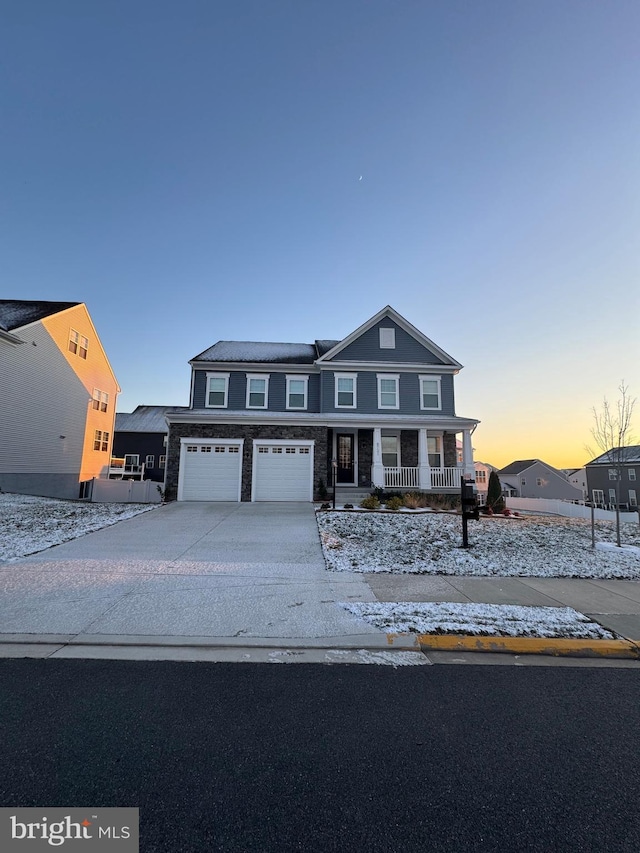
(420, 459)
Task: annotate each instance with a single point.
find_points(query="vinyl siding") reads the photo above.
(41, 399)
(92, 372)
(237, 397)
(407, 349)
(367, 394)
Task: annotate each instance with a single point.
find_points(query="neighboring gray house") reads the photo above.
(578, 478)
(275, 421)
(532, 478)
(602, 477)
(140, 443)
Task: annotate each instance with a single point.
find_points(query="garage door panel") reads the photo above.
(211, 473)
(283, 473)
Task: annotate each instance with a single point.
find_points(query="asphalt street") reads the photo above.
(249, 757)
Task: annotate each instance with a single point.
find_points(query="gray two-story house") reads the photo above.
(615, 472)
(277, 421)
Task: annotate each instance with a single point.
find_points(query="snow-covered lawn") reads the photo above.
(429, 543)
(29, 524)
(488, 620)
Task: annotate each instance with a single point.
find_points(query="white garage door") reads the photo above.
(210, 472)
(282, 472)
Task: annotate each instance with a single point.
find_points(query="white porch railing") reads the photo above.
(401, 478)
(408, 478)
(446, 478)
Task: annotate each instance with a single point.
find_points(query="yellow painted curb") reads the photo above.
(528, 646)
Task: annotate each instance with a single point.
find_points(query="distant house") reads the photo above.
(140, 443)
(603, 473)
(578, 478)
(482, 472)
(57, 399)
(532, 478)
(283, 421)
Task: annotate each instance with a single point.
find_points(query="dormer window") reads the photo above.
(387, 338)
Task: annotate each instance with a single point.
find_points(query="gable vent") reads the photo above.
(387, 338)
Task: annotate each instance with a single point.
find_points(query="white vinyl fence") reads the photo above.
(549, 507)
(125, 491)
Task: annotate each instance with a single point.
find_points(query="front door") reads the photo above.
(344, 454)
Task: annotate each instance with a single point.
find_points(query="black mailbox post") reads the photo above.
(469, 507)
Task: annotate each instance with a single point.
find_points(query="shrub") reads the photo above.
(371, 502)
(325, 506)
(415, 500)
(494, 493)
(348, 506)
(394, 503)
(322, 490)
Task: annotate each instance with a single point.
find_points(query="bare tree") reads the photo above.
(612, 434)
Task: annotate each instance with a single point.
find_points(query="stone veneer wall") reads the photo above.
(248, 433)
(449, 449)
(365, 457)
(409, 448)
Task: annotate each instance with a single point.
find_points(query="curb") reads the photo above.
(558, 647)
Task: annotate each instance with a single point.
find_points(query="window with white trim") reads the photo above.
(297, 391)
(390, 451)
(633, 500)
(434, 451)
(100, 400)
(430, 392)
(632, 473)
(257, 391)
(613, 473)
(78, 344)
(481, 476)
(217, 391)
(101, 440)
(150, 461)
(612, 497)
(388, 396)
(598, 496)
(387, 338)
(192, 448)
(346, 390)
(162, 461)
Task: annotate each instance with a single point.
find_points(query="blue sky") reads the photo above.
(191, 170)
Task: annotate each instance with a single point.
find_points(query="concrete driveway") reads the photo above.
(223, 570)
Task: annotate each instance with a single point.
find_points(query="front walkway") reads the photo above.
(186, 570)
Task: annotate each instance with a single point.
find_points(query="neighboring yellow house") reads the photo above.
(57, 399)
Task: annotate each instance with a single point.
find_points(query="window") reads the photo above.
(632, 473)
(612, 497)
(346, 390)
(149, 462)
(388, 391)
(481, 476)
(633, 500)
(613, 473)
(297, 392)
(101, 440)
(539, 481)
(192, 448)
(162, 461)
(430, 397)
(390, 451)
(78, 344)
(257, 391)
(434, 450)
(387, 338)
(100, 400)
(523, 482)
(217, 390)
(598, 497)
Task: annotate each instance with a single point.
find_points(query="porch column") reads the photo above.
(424, 469)
(467, 454)
(377, 469)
